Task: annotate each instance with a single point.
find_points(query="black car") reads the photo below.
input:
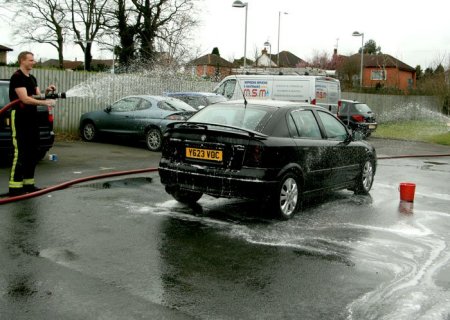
(45, 119)
(198, 100)
(358, 116)
(276, 150)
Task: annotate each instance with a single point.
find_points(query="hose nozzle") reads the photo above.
(50, 95)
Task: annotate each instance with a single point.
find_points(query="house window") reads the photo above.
(410, 83)
(378, 75)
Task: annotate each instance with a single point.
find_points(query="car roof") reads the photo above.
(270, 103)
(146, 96)
(350, 101)
(195, 94)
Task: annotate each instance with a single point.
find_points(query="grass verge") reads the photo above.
(416, 130)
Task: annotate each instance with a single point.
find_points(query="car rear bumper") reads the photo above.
(371, 126)
(245, 183)
(46, 141)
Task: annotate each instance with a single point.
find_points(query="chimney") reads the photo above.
(335, 52)
(264, 51)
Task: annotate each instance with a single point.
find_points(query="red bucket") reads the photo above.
(407, 191)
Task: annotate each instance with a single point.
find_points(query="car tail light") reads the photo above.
(358, 118)
(313, 101)
(339, 104)
(253, 155)
(51, 117)
(175, 117)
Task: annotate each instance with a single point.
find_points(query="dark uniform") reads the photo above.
(25, 135)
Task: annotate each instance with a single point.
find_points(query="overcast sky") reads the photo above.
(412, 31)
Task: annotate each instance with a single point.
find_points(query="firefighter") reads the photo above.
(24, 125)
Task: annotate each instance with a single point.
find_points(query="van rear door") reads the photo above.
(291, 89)
(328, 93)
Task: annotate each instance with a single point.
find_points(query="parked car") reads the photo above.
(198, 100)
(358, 116)
(140, 116)
(44, 117)
(263, 149)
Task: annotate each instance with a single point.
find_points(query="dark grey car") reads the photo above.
(140, 117)
(198, 100)
(358, 117)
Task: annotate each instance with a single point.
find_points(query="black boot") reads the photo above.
(29, 188)
(14, 192)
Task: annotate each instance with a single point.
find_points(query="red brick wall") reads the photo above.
(395, 79)
(210, 71)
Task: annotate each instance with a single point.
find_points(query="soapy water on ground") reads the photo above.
(409, 250)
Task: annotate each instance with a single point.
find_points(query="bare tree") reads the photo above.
(88, 19)
(41, 21)
(174, 38)
(347, 70)
(162, 19)
(320, 60)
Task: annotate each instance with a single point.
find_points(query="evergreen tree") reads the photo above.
(215, 51)
(439, 69)
(419, 72)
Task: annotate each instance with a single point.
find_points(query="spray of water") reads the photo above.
(412, 111)
(107, 88)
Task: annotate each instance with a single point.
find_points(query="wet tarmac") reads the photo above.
(121, 248)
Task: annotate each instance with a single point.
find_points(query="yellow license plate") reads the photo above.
(204, 154)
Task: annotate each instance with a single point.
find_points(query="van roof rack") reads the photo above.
(284, 71)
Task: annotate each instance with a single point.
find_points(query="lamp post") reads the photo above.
(279, 22)
(267, 44)
(240, 4)
(358, 34)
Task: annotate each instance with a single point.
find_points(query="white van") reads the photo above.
(318, 90)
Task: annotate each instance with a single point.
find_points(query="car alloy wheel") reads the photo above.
(153, 140)
(89, 132)
(288, 196)
(365, 180)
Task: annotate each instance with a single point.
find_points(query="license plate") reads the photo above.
(204, 154)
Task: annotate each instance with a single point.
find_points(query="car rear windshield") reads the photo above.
(174, 105)
(250, 117)
(215, 99)
(362, 107)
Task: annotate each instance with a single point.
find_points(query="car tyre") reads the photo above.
(153, 139)
(41, 155)
(364, 180)
(88, 132)
(184, 196)
(287, 197)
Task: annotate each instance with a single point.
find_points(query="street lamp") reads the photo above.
(240, 4)
(358, 34)
(267, 44)
(279, 20)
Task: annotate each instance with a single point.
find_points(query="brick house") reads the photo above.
(3, 54)
(210, 66)
(383, 70)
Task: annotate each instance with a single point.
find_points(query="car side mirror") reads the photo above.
(108, 109)
(357, 135)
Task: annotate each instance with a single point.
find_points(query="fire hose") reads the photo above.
(126, 172)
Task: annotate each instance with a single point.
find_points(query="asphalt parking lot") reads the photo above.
(121, 248)
(81, 159)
